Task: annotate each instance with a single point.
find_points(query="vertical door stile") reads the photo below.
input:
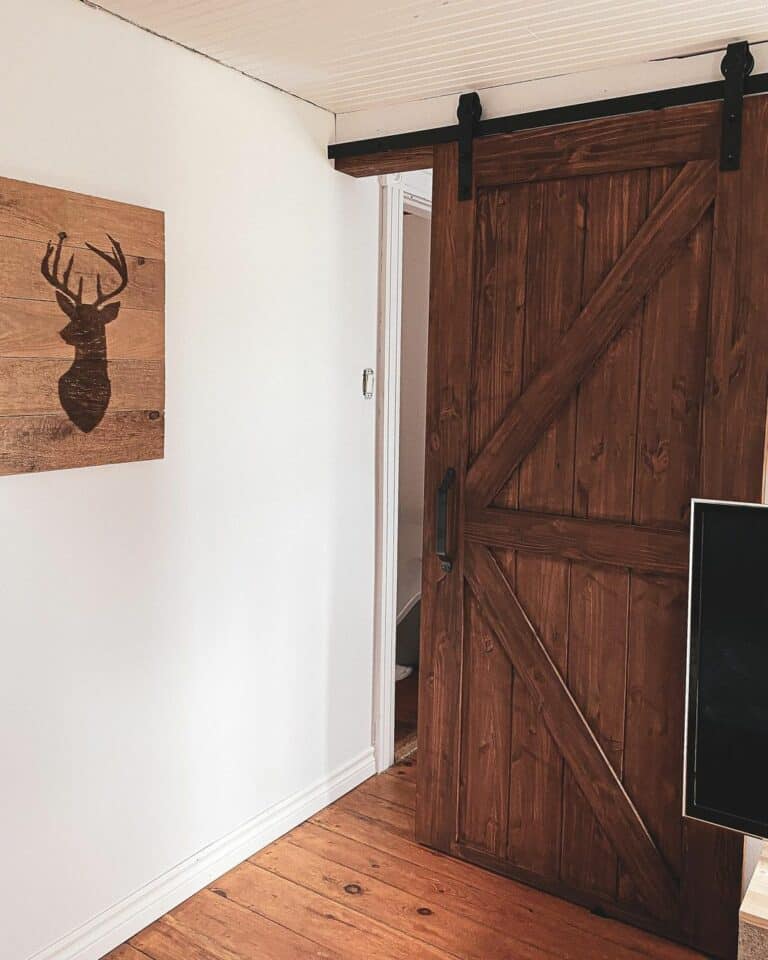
(442, 608)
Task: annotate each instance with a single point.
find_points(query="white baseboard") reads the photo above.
(116, 924)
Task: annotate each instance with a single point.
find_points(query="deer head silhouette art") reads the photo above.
(85, 389)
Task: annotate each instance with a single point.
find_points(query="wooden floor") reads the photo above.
(406, 716)
(351, 884)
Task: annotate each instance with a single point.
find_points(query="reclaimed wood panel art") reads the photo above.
(82, 315)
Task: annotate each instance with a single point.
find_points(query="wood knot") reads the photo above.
(424, 912)
(657, 460)
(354, 889)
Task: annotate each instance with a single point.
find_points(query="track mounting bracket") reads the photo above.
(736, 66)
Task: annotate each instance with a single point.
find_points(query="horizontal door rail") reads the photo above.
(553, 116)
(605, 542)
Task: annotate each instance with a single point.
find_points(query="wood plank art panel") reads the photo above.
(618, 367)
(82, 307)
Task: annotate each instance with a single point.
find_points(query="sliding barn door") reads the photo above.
(598, 354)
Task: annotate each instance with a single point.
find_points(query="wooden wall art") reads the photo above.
(82, 313)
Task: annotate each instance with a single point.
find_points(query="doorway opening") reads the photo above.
(406, 208)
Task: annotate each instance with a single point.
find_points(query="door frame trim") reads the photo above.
(391, 206)
(394, 202)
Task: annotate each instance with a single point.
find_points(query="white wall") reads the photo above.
(413, 407)
(186, 643)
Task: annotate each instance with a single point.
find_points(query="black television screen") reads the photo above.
(727, 732)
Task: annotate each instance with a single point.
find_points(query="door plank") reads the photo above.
(556, 225)
(442, 603)
(501, 239)
(333, 925)
(672, 373)
(613, 144)
(613, 304)
(578, 745)
(733, 426)
(646, 549)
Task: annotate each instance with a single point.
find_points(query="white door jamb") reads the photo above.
(387, 466)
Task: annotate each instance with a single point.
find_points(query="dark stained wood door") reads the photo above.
(598, 355)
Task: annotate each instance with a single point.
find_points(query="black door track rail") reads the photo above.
(739, 82)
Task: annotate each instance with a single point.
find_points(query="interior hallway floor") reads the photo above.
(352, 884)
(406, 716)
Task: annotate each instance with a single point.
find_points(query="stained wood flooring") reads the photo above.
(406, 716)
(351, 884)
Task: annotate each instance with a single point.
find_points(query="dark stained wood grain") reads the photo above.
(666, 473)
(608, 542)
(442, 606)
(604, 464)
(29, 444)
(733, 422)
(613, 144)
(568, 727)
(607, 429)
(501, 239)
(555, 230)
(672, 376)
(389, 161)
(612, 305)
(487, 702)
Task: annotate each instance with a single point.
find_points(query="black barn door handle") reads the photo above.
(442, 520)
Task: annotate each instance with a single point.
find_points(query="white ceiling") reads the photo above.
(349, 55)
